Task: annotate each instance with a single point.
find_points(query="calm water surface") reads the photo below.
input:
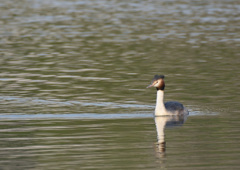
(73, 77)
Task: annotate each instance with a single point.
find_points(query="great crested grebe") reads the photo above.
(168, 108)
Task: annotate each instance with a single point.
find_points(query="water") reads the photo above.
(73, 80)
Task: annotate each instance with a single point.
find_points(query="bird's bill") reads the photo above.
(151, 85)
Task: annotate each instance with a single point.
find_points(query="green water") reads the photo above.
(73, 78)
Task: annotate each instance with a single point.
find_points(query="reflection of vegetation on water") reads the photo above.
(74, 142)
(67, 57)
(73, 53)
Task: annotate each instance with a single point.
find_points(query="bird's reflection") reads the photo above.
(166, 121)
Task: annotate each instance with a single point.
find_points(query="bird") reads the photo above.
(167, 108)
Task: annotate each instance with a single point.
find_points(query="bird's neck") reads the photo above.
(160, 107)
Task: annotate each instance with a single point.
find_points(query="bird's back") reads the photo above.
(175, 107)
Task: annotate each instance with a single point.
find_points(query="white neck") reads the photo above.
(160, 107)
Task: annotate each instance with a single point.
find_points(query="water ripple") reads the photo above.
(74, 116)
